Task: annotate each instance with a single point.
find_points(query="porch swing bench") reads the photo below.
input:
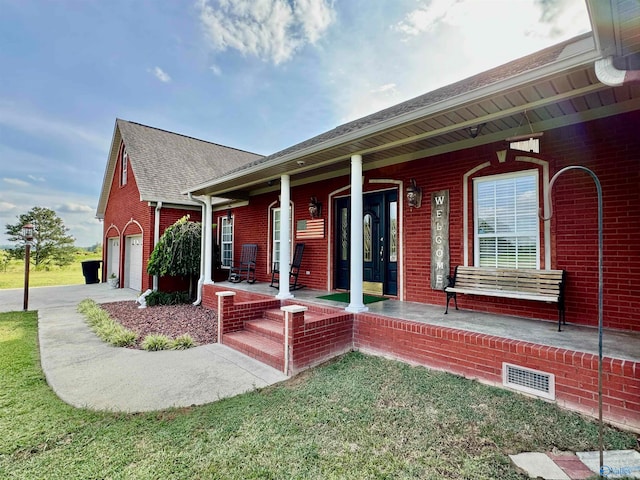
(294, 271)
(522, 284)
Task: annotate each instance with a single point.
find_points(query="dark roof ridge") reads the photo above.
(186, 136)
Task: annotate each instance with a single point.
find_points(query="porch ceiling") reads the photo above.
(551, 98)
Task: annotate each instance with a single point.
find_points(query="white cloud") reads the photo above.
(496, 21)
(38, 124)
(436, 43)
(388, 87)
(272, 30)
(16, 181)
(161, 75)
(6, 206)
(75, 208)
(426, 18)
(36, 179)
(217, 71)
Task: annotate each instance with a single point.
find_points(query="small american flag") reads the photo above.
(310, 228)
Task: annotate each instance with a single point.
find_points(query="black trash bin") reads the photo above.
(90, 271)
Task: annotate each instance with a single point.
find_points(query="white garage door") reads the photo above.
(133, 263)
(113, 257)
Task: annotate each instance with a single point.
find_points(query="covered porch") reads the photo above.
(476, 345)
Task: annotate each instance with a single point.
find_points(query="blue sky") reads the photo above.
(259, 75)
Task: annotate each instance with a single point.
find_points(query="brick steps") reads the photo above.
(267, 328)
(258, 346)
(263, 338)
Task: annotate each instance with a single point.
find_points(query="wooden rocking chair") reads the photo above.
(245, 269)
(293, 272)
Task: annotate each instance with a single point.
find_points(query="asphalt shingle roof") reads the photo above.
(166, 163)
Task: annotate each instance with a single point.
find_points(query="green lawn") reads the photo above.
(356, 417)
(13, 276)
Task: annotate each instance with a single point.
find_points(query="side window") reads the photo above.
(125, 167)
(506, 232)
(275, 241)
(226, 242)
(276, 224)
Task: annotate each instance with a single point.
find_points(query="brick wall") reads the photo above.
(314, 337)
(169, 216)
(479, 356)
(610, 147)
(238, 308)
(126, 215)
(317, 336)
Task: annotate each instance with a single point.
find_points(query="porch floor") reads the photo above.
(615, 343)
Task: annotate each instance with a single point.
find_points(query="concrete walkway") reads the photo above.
(578, 466)
(86, 372)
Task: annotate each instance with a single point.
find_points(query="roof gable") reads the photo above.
(166, 163)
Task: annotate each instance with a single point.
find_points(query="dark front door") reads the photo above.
(380, 242)
(373, 228)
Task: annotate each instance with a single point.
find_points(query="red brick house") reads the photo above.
(141, 195)
(452, 140)
(457, 177)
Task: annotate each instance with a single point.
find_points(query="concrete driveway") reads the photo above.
(86, 372)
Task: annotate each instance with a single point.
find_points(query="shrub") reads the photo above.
(104, 326)
(154, 342)
(183, 342)
(87, 305)
(167, 298)
(123, 337)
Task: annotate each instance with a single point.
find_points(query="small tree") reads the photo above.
(51, 243)
(177, 253)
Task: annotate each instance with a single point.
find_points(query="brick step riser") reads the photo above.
(255, 352)
(311, 314)
(275, 315)
(255, 326)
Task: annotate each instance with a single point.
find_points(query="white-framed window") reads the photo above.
(226, 242)
(125, 167)
(276, 224)
(275, 231)
(506, 233)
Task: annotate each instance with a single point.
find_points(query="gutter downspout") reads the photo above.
(202, 240)
(608, 74)
(156, 239)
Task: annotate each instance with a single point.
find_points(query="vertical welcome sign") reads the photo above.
(439, 239)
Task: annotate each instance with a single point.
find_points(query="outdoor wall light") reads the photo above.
(414, 195)
(27, 234)
(475, 130)
(315, 207)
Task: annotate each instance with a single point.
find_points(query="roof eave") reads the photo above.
(107, 180)
(581, 57)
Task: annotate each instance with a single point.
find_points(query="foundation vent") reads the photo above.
(527, 380)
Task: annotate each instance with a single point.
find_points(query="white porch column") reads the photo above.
(357, 300)
(208, 247)
(285, 235)
(156, 239)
